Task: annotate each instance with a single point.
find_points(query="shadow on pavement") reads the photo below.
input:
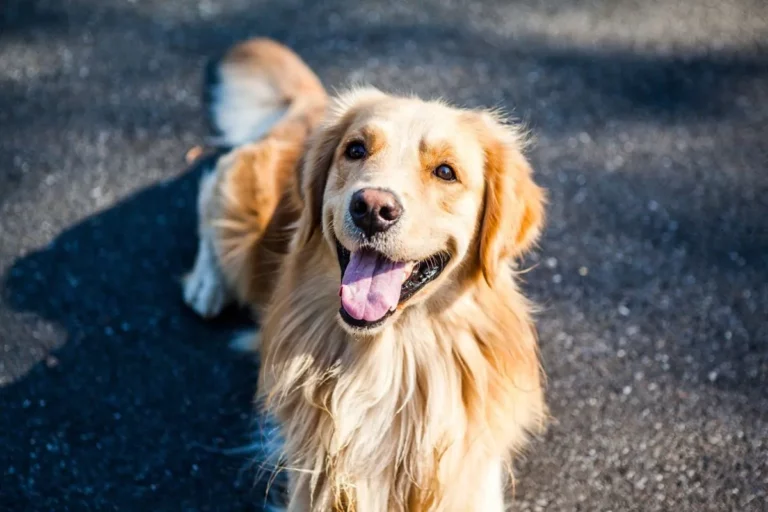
(142, 397)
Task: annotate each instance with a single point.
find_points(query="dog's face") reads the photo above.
(406, 192)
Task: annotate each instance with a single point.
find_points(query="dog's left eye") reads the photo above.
(355, 150)
(445, 172)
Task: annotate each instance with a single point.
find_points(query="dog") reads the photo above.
(373, 236)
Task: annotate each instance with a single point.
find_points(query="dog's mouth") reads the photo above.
(372, 285)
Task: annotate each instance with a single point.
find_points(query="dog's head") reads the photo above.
(413, 197)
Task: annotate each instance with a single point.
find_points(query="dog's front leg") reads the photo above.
(490, 495)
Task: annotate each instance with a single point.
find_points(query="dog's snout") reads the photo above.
(374, 210)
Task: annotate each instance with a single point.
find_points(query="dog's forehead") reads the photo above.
(415, 117)
(413, 125)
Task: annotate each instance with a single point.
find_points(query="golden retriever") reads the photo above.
(373, 235)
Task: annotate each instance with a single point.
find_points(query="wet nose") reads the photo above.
(374, 210)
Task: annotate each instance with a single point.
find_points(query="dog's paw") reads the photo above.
(206, 293)
(205, 289)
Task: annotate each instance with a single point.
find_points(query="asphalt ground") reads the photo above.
(651, 126)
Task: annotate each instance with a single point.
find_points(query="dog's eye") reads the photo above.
(445, 172)
(355, 150)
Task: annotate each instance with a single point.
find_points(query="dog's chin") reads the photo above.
(362, 328)
(419, 274)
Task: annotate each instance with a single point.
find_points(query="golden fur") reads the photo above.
(249, 204)
(423, 412)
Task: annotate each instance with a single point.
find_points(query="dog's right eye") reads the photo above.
(355, 150)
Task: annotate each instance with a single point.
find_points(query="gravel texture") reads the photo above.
(651, 125)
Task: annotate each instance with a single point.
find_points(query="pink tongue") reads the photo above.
(371, 285)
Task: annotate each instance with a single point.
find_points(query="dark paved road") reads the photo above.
(652, 127)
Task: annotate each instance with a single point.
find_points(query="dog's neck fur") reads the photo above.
(384, 422)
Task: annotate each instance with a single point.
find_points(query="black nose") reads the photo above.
(374, 210)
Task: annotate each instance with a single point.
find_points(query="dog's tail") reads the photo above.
(261, 87)
(263, 103)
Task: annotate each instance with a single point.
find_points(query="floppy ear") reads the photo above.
(514, 205)
(313, 175)
(316, 163)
